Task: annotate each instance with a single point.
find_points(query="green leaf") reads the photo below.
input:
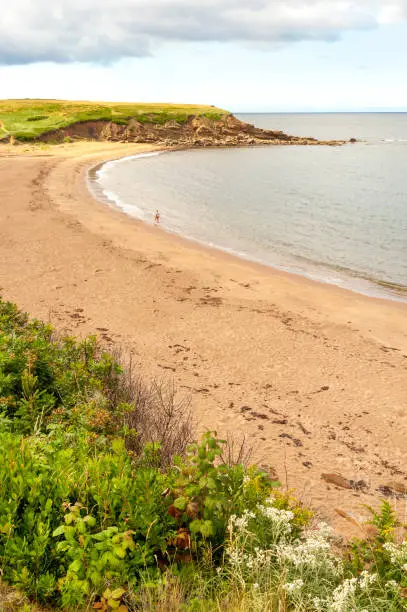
(195, 526)
(118, 446)
(58, 531)
(203, 482)
(181, 503)
(117, 593)
(207, 529)
(119, 552)
(210, 502)
(75, 566)
(90, 520)
(211, 484)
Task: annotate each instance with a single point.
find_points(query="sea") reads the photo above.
(333, 214)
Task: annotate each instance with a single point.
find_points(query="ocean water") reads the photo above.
(334, 214)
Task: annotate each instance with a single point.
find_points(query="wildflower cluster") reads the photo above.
(265, 552)
(312, 552)
(240, 523)
(398, 554)
(251, 551)
(293, 587)
(280, 521)
(344, 597)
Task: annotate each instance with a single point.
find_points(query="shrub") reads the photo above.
(105, 502)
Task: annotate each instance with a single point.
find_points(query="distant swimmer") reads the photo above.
(157, 216)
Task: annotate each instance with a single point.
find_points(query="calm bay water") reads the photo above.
(335, 214)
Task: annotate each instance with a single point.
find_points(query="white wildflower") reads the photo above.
(294, 587)
(366, 579)
(314, 551)
(404, 568)
(392, 584)
(279, 520)
(240, 522)
(398, 553)
(343, 595)
(235, 558)
(276, 514)
(256, 585)
(319, 604)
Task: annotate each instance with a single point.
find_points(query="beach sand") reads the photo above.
(315, 376)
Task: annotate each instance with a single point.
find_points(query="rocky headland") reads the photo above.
(196, 131)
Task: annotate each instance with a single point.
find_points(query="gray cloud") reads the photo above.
(107, 30)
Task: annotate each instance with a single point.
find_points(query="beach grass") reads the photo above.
(28, 119)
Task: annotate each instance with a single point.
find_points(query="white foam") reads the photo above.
(130, 209)
(107, 165)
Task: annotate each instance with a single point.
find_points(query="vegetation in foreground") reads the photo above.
(27, 119)
(106, 504)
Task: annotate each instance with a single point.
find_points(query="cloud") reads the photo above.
(106, 30)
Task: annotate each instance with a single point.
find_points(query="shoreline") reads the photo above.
(353, 282)
(314, 375)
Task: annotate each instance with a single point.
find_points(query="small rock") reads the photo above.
(397, 487)
(337, 480)
(245, 409)
(295, 441)
(260, 415)
(359, 485)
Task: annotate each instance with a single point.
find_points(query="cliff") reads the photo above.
(196, 131)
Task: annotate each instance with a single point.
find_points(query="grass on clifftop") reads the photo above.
(28, 119)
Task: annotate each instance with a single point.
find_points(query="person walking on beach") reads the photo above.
(157, 217)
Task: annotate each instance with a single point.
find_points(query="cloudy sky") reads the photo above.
(253, 55)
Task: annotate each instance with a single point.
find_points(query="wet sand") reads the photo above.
(315, 376)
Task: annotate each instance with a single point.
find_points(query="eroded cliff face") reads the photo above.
(196, 132)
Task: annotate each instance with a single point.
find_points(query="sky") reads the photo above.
(252, 55)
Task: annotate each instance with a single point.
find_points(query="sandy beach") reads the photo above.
(314, 375)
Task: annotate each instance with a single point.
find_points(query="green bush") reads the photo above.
(101, 506)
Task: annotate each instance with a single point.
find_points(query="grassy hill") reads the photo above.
(28, 119)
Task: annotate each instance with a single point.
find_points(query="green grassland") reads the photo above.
(28, 119)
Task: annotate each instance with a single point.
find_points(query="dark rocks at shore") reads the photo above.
(197, 131)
